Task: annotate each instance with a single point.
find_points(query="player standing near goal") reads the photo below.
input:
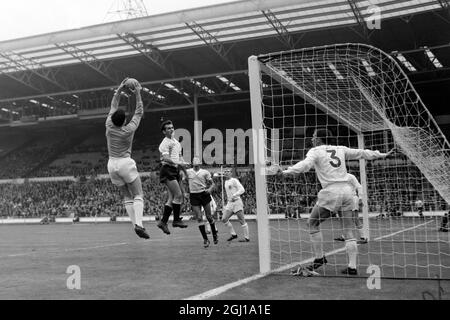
(171, 164)
(444, 223)
(328, 160)
(419, 207)
(121, 167)
(234, 190)
(200, 188)
(357, 204)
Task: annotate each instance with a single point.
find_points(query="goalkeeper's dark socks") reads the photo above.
(176, 211)
(166, 213)
(203, 231)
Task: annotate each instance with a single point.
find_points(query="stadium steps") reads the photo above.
(63, 149)
(20, 147)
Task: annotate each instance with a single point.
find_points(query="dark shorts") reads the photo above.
(200, 199)
(169, 173)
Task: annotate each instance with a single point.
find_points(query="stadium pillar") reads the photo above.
(262, 216)
(198, 131)
(363, 174)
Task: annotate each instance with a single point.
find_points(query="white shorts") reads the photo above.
(355, 203)
(336, 197)
(122, 171)
(235, 206)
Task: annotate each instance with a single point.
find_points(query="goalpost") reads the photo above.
(364, 97)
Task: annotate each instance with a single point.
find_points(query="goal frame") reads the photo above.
(256, 67)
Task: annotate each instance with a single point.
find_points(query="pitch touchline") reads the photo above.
(219, 290)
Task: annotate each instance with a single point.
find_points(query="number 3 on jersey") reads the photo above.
(333, 156)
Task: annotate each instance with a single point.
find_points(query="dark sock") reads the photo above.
(203, 231)
(166, 213)
(176, 211)
(213, 228)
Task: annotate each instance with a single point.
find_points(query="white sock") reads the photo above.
(352, 252)
(245, 229)
(130, 210)
(230, 227)
(316, 239)
(138, 207)
(361, 233)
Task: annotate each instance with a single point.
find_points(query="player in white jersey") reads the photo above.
(121, 167)
(171, 164)
(357, 205)
(328, 160)
(200, 188)
(419, 207)
(234, 190)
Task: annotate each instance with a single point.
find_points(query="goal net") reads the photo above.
(363, 96)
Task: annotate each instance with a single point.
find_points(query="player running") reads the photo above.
(171, 164)
(200, 188)
(357, 205)
(234, 190)
(121, 167)
(328, 160)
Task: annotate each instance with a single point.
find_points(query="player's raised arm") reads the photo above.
(302, 166)
(139, 111)
(356, 154)
(115, 101)
(116, 98)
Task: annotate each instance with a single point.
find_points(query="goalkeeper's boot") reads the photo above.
(350, 271)
(206, 243)
(233, 236)
(317, 263)
(341, 238)
(163, 227)
(244, 240)
(179, 224)
(141, 232)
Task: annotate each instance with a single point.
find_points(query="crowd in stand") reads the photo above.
(18, 164)
(394, 189)
(89, 197)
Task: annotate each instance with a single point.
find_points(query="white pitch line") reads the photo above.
(14, 255)
(219, 290)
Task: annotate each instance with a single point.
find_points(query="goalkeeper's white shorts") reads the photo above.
(235, 206)
(336, 197)
(122, 171)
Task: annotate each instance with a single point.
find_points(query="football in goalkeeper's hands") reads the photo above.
(131, 84)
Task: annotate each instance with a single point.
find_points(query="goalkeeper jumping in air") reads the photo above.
(328, 160)
(121, 167)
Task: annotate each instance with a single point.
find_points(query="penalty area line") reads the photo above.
(219, 290)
